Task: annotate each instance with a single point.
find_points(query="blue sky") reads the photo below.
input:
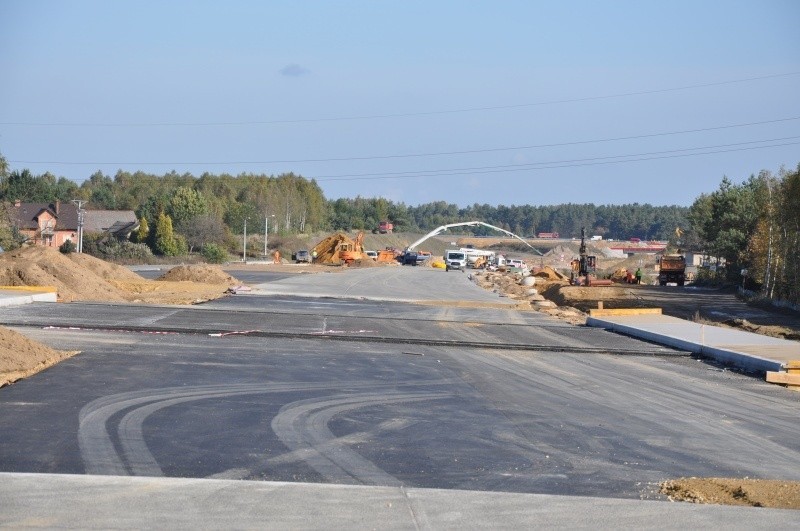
(513, 102)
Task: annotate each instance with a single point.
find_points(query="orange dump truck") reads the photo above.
(672, 269)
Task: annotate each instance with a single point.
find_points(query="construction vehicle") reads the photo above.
(355, 252)
(387, 255)
(672, 269)
(474, 254)
(584, 264)
(480, 262)
(338, 249)
(384, 227)
(409, 258)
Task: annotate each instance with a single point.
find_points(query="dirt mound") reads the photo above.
(80, 277)
(21, 357)
(367, 262)
(549, 273)
(76, 277)
(777, 494)
(208, 274)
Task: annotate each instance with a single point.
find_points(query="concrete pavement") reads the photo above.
(401, 284)
(16, 295)
(746, 350)
(113, 502)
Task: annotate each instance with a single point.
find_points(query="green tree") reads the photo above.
(186, 204)
(141, 234)
(214, 254)
(3, 168)
(163, 240)
(202, 230)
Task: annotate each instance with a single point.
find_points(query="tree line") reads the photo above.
(753, 228)
(752, 225)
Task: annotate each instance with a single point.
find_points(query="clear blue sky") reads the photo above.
(375, 98)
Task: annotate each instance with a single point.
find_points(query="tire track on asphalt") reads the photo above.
(303, 427)
(99, 452)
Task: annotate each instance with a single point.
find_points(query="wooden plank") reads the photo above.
(623, 311)
(793, 367)
(783, 378)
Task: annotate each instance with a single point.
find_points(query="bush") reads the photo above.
(214, 254)
(111, 249)
(68, 247)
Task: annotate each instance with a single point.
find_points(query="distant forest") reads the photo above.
(295, 204)
(752, 227)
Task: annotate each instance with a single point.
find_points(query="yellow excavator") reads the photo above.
(339, 248)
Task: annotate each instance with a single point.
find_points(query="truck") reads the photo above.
(672, 269)
(384, 227)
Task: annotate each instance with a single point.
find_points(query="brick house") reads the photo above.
(47, 224)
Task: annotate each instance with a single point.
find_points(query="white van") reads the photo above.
(455, 260)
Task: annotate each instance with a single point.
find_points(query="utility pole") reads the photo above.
(244, 243)
(266, 232)
(79, 203)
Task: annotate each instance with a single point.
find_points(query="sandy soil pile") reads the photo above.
(366, 262)
(76, 277)
(21, 357)
(776, 494)
(549, 273)
(208, 274)
(80, 277)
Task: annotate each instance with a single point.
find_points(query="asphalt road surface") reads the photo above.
(459, 394)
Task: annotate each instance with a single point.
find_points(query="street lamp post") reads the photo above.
(266, 232)
(244, 243)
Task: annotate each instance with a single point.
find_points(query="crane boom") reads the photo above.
(443, 228)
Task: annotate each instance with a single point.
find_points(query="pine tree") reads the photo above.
(163, 237)
(140, 236)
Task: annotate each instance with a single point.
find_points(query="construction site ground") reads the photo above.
(127, 289)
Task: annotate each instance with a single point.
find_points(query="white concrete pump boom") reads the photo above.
(443, 228)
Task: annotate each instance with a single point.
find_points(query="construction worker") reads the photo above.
(313, 256)
(638, 275)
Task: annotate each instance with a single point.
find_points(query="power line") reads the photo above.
(556, 165)
(532, 165)
(400, 115)
(413, 155)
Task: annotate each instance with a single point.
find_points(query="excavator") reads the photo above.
(338, 248)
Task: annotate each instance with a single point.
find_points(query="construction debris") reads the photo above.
(790, 377)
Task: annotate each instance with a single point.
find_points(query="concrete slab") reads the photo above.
(399, 284)
(16, 295)
(749, 351)
(112, 502)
